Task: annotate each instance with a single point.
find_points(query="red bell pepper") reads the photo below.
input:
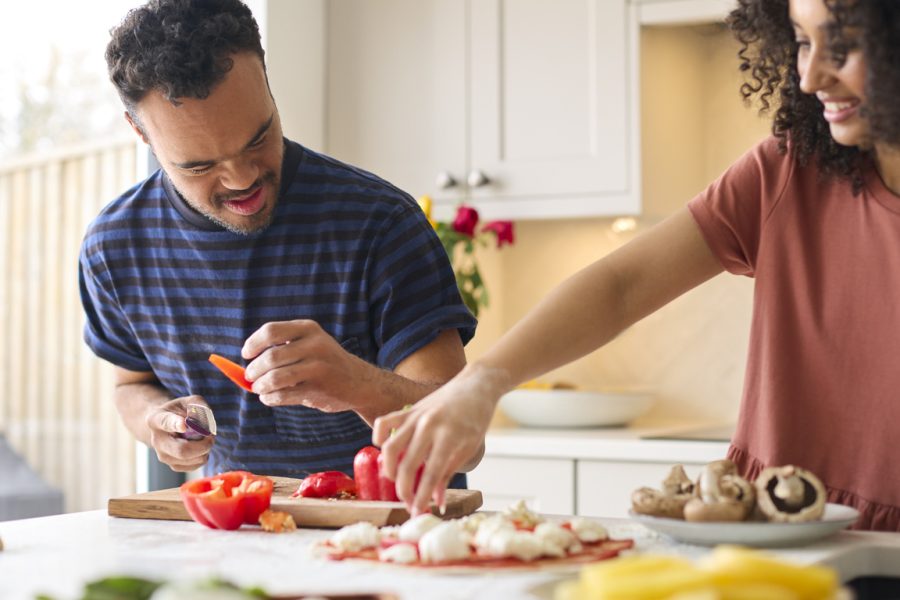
(327, 484)
(227, 500)
(232, 371)
(370, 483)
(365, 472)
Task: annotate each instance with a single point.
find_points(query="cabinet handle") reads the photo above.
(477, 178)
(445, 180)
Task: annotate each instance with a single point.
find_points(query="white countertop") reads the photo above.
(614, 443)
(57, 555)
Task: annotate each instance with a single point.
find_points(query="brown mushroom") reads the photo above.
(677, 482)
(669, 502)
(790, 494)
(722, 495)
(648, 501)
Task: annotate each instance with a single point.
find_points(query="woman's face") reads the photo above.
(839, 86)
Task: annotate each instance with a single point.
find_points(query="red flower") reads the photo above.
(504, 231)
(466, 220)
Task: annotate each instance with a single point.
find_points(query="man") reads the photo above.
(328, 280)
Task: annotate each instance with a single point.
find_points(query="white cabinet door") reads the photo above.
(547, 485)
(536, 95)
(550, 103)
(604, 487)
(396, 90)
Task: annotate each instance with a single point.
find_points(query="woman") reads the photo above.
(813, 214)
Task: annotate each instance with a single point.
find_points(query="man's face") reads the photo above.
(222, 153)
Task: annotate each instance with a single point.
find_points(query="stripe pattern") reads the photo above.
(162, 288)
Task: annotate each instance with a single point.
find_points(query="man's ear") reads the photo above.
(136, 127)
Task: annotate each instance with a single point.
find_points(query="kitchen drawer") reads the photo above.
(546, 485)
(604, 487)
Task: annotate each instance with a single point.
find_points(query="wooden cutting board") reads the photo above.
(307, 512)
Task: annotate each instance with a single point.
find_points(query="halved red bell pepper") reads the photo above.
(327, 484)
(232, 371)
(227, 500)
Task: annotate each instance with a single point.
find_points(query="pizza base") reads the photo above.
(592, 552)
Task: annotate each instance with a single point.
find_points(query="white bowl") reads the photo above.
(574, 408)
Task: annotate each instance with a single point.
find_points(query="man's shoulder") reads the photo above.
(318, 172)
(121, 214)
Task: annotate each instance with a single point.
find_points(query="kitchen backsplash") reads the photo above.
(692, 352)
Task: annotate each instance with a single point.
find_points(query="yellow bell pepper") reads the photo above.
(736, 566)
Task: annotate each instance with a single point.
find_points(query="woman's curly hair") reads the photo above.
(181, 48)
(768, 56)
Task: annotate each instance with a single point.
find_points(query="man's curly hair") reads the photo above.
(181, 48)
(768, 56)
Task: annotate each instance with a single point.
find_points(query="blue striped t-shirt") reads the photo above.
(163, 287)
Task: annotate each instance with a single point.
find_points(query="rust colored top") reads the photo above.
(822, 385)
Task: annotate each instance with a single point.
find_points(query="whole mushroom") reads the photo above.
(722, 495)
(669, 502)
(790, 494)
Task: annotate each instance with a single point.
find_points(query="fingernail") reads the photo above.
(443, 509)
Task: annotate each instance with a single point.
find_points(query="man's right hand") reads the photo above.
(166, 425)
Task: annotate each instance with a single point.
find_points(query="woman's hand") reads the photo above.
(445, 431)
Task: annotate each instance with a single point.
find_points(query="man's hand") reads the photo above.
(166, 424)
(296, 362)
(444, 430)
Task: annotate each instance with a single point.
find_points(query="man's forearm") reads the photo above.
(133, 401)
(387, 391)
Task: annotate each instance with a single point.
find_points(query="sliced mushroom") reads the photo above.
(790, 494)
(722, 495)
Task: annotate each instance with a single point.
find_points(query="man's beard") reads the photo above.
(270, 179)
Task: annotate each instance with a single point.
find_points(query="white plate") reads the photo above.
(762, 535)
(574, 408)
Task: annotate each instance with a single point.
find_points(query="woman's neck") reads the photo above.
(887, 161)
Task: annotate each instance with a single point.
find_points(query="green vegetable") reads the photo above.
(135, 588)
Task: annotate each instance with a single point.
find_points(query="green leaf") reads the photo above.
(477, 281)
(469, 301)
(120, 588)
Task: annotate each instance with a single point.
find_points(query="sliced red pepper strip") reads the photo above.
(327, 484)
(233, 371)
(227, 500)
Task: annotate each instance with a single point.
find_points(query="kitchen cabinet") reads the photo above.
(604, 487)
(525, 109)
(546, 485)
(682, 12)
(590, 488)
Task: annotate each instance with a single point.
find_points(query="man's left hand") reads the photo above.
(297, 362)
